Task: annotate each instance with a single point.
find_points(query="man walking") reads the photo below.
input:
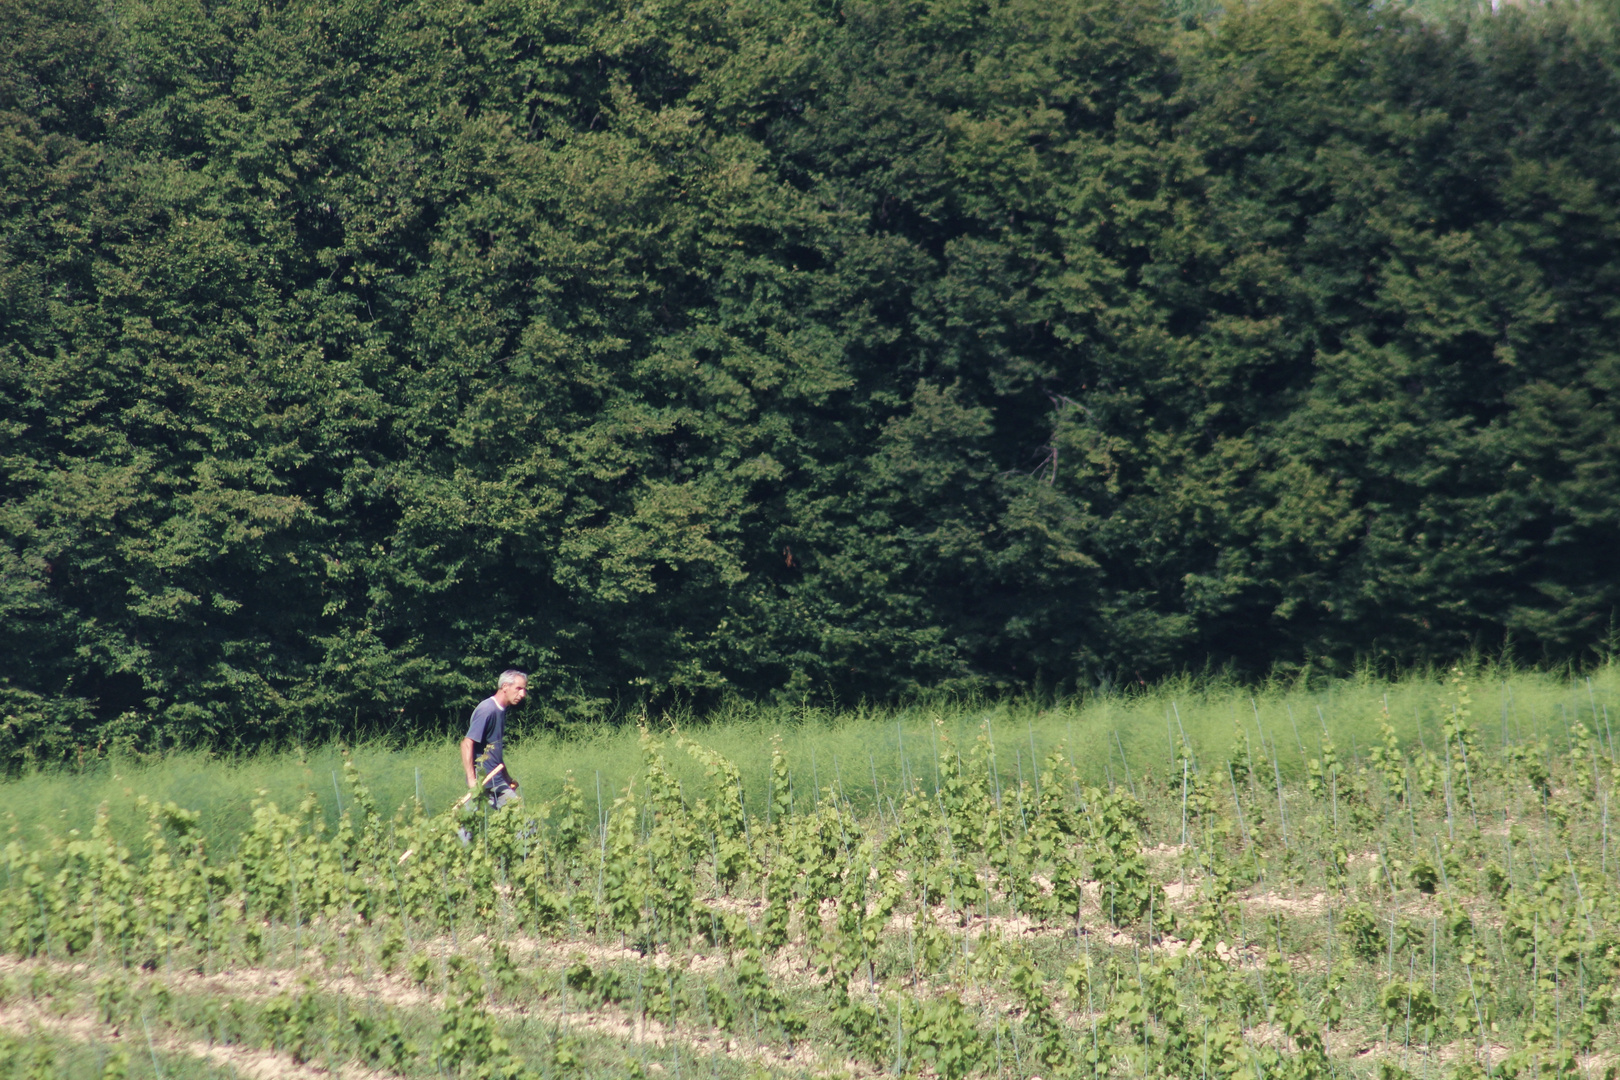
(485, 734)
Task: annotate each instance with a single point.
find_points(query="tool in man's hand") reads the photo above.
(493, 773)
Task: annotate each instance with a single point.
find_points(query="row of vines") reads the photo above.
(1397, 910)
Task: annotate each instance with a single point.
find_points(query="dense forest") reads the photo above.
(351, 351)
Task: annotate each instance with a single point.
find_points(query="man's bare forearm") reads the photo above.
(467, 762)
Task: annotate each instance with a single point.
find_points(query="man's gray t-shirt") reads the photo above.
(486, 730)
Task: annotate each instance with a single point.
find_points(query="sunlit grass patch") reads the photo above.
(869, 754)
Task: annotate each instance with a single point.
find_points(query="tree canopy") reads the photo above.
(353, 351)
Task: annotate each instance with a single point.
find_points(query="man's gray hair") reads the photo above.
(509, 676)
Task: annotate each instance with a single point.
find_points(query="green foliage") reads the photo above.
(794, 351)
(944, 1036)
(1388, 761)
(721, 816)
(1409, 1004)
(30, 1059)
(1363, 933)
(296, 1023)
(382, 1042)
(1116, 820)
(625, 876)
(469, 1044)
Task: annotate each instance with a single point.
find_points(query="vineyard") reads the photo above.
(1443, 908)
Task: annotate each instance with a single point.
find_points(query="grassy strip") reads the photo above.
(871, 755)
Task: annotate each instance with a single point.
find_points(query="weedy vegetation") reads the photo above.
(1294, 899)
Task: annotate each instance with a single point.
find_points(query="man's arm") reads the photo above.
(467, 762)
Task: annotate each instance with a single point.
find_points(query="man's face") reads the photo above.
(513, 692)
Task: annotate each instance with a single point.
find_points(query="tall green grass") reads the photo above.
(865, 755)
